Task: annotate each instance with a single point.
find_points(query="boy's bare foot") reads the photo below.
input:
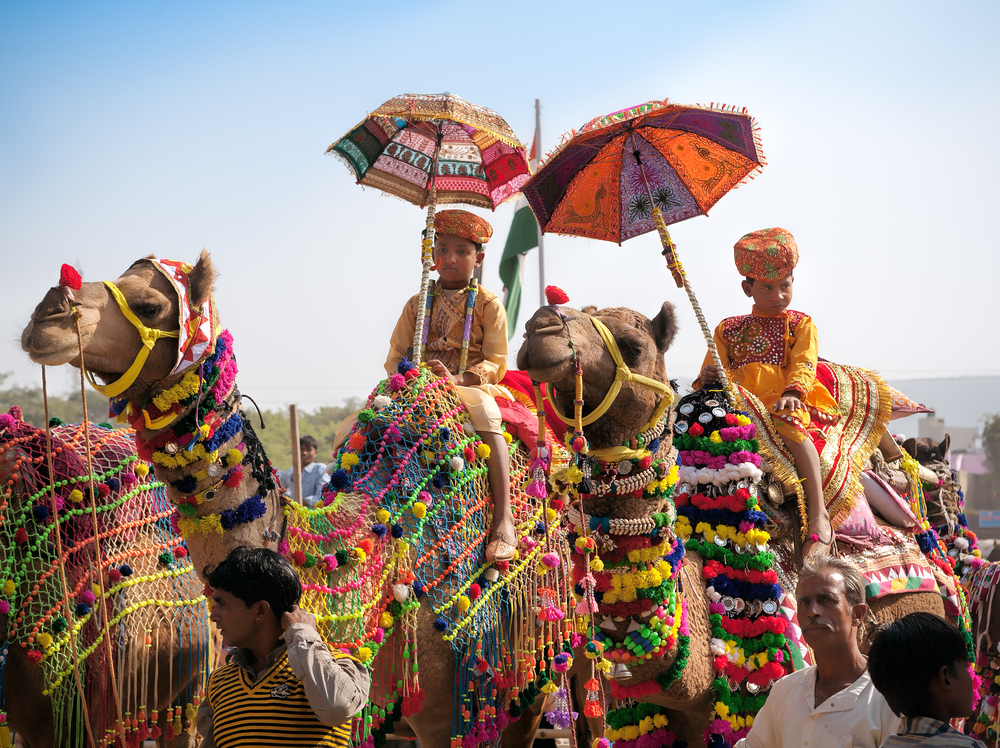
(819, 540)
(503, 540)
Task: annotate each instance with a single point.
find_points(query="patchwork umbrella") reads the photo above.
(432, 150)
(637, 170)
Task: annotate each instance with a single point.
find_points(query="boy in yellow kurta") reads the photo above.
(772, 352)
(459, 237)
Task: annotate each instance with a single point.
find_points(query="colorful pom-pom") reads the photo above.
(4, 606)
(474, 591)
(87, 596)
(550, 560)
(555, 295)
(356, 441)
(45, 639)
(298, 557)
(76, 496)
(483, 451)
(141, 469)
(419, 510)
(463, 604)
(8, 587)
(364, 654)
(366, 415)
(339, 479)
(441, 624)
(114, 576)
(34, 657)
(126, 570)
(396, 382)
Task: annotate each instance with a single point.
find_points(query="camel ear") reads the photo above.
(945, 445)
(664, 327)
(910, 445)
(201, 280)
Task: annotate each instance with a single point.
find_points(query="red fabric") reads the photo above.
(516, 380)
(70, 278)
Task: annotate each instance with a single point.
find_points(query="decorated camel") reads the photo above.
(706, 657)
(105, 641)
(403, 520)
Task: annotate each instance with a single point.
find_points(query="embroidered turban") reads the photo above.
(464, 224)
(768, 254)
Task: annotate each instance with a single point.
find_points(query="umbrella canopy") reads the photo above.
(604, 179)
(416, 143)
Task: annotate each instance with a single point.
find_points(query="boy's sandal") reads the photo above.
(499, 550)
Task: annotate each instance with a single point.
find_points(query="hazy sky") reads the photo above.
(137, 127)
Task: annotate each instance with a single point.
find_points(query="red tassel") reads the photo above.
(168, 732)
(70, 278)
(555, 295)
(413, 702)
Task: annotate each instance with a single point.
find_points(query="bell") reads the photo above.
(625, 467)
(753, 687)
(619, 671)
(172, 448)
(214, 470)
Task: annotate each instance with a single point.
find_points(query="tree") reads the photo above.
(68, 408)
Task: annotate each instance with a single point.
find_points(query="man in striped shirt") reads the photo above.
(282, 686)
(921, 666)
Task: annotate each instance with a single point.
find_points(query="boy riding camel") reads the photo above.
(459, 237)
(772, 353)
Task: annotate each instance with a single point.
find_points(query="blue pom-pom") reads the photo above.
(339, 479)
(187, 484)
(598, 595)
(437, 481)
(397, 531)
(418, 589)
(441, 624)
(112, 483)
(445, 433)
(578, 588)
(126, 570)
(654, 446)
(40, 512)
(379, 529)
(82, 609)
(539, 528)
(404, 366)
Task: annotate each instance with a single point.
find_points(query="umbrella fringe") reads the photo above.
(344, 160)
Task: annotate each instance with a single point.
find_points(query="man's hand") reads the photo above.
(787, 402)
(297, 615)
(709, 375)
(440, 370)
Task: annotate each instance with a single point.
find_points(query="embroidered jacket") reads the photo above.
(770, 356)
(487, 341)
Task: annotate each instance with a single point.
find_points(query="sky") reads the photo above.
(129, 128)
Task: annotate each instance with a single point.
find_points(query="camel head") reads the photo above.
(547, 356)
(111, 342)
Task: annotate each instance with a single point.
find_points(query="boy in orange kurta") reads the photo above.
(459, 237)
(772, 352)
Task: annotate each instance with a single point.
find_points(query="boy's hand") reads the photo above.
(440, 370)
(709, 375)
(297, 615)
(787, 402)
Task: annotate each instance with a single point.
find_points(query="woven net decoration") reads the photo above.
(116, 624)
(402, 534)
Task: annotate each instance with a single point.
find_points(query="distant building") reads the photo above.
(962, 437)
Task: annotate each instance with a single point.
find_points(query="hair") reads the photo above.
(309, 442)
(750, 280)
(854, 583)
(254, 574)
(907, 654)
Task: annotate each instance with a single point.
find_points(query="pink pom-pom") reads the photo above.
(378, 636)
(603, 743)
(175, 523)
(551, 560)
(6, 421)
(779, 656)
(128, 479)
(425, 498)
(396, 382)
(283, 547)
(87, 597)
(329, 563)
(4, 606)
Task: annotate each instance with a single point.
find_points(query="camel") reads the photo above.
(547, 356)
(158, 649)
(185, 408)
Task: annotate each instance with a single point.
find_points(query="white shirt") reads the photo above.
(314, 477)
(856, 716)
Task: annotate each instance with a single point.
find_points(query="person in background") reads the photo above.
(314, 475)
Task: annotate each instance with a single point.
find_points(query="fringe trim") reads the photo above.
(754, 129)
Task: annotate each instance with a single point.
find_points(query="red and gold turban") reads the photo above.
(767, 255)
(464, 224)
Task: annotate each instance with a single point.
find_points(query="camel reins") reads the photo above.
(622, 375)
(148, 335)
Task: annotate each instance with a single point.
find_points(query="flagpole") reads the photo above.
(541, 238)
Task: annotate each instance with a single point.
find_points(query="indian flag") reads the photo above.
(523, 237)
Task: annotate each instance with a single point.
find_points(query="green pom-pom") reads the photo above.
(55, 421)
(366, 415)
(310, 561)
(106, 425)
(59, 624)
(166, 557)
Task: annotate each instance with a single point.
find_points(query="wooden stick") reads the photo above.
(293, 418)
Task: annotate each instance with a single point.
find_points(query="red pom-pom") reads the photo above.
(70, 278)
(180, 551)
(367, 545)
(474, 590)
(21, 536)
(114, 576)
(103, 490)
(696, 430)
(556, 504)
(299, 558)
(34, 657)
(555, 295)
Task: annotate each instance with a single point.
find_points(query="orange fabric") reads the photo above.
(707, 169)
(767, 255)
(593, 198)
(464, 224)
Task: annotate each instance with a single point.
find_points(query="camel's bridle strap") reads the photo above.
(148, 335)
(622, 375)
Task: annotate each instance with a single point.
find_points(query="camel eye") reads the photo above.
(147, 310)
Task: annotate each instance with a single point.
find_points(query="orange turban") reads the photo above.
(464, 224)
(767, 255)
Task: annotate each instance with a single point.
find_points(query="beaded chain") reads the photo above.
(405, 518)
(49, 589)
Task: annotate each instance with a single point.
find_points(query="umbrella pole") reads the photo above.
(680, 277)
(422, 324)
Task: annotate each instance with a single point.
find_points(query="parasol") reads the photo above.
(637, 170)
(434, 149)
